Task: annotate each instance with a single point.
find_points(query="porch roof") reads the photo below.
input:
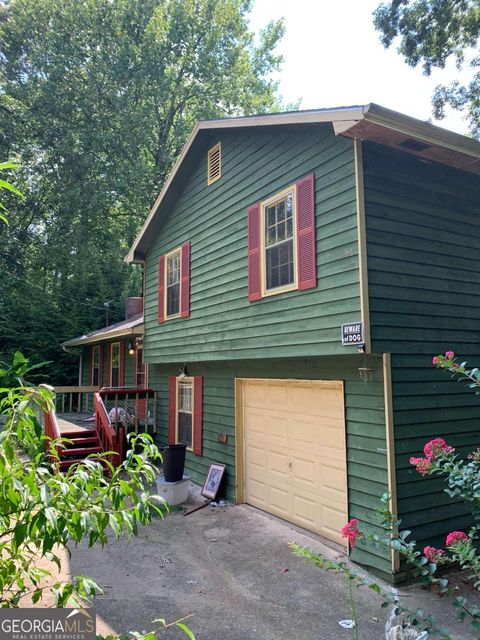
(132, 326)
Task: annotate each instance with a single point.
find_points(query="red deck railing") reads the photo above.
(52, 431)
(112, 439)
(139, 404)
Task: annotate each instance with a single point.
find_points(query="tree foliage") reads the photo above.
(96, 100)
(430, 32)
(42, 511)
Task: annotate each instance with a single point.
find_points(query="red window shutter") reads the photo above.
(254, 271)
(197, 415)
(185, 282)
(121, 373)
(161, 289)
(306, 250)
(109, 364)
(172, 409)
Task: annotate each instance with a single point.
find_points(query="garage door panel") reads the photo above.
(305, 510)
(280, 499)
(295, 459)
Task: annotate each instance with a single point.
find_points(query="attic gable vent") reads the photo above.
(414, 145)
(214, 163)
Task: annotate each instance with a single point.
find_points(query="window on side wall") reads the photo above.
(281, 241)
(278, 231)
(184, 431)
(185, 412)
(115, 364)
(95, 376)
(172, 287)
(174, 284)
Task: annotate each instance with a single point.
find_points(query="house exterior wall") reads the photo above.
(86, 366)
(423, 236)
(223, 324)
(365, 424)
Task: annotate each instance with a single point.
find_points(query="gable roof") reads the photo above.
(132, 326)
(367, 122)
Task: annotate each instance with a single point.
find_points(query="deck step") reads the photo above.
(79, 433)
(80, 451)
(75, 441)
(66, 463)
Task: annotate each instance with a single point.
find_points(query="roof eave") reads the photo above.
(107, 337)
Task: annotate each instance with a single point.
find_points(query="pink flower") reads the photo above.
(422, 465)
(455, 364)
(436, 447)
(450, 354)
(433, 554)
(351, 531)
(435, 360)
(454, 537)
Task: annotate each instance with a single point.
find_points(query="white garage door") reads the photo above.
(295, 454)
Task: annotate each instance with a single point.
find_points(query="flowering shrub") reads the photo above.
(351, 531)
(434, 555)
(454, 538)
(462, 481)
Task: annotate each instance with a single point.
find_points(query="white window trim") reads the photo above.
(165, 278)
(177, 404)
(111, 363)
(263, 205)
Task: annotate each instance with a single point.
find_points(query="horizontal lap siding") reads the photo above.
(365, 422)
(222, 323)
(423, 241)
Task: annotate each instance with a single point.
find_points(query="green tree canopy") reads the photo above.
(96, 100)
(430, 32)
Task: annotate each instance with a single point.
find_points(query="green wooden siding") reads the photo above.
(223, 325)
(364, 406)
(129, 365)
(423, 234)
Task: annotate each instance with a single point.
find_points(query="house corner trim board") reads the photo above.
(362, 242)
(239, 443)
(390, 438)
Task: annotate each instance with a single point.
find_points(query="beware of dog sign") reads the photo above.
(352, 334)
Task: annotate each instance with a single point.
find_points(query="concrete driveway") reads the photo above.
(233, 572)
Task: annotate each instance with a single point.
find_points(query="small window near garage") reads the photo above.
(185, 412)
(214, 163)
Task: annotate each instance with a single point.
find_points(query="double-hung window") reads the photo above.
(281, 241)
(185, 412)
(174, 284)
(95, 375)
(278, 215)
(115, 364)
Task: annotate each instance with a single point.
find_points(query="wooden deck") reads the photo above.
(72, 422)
